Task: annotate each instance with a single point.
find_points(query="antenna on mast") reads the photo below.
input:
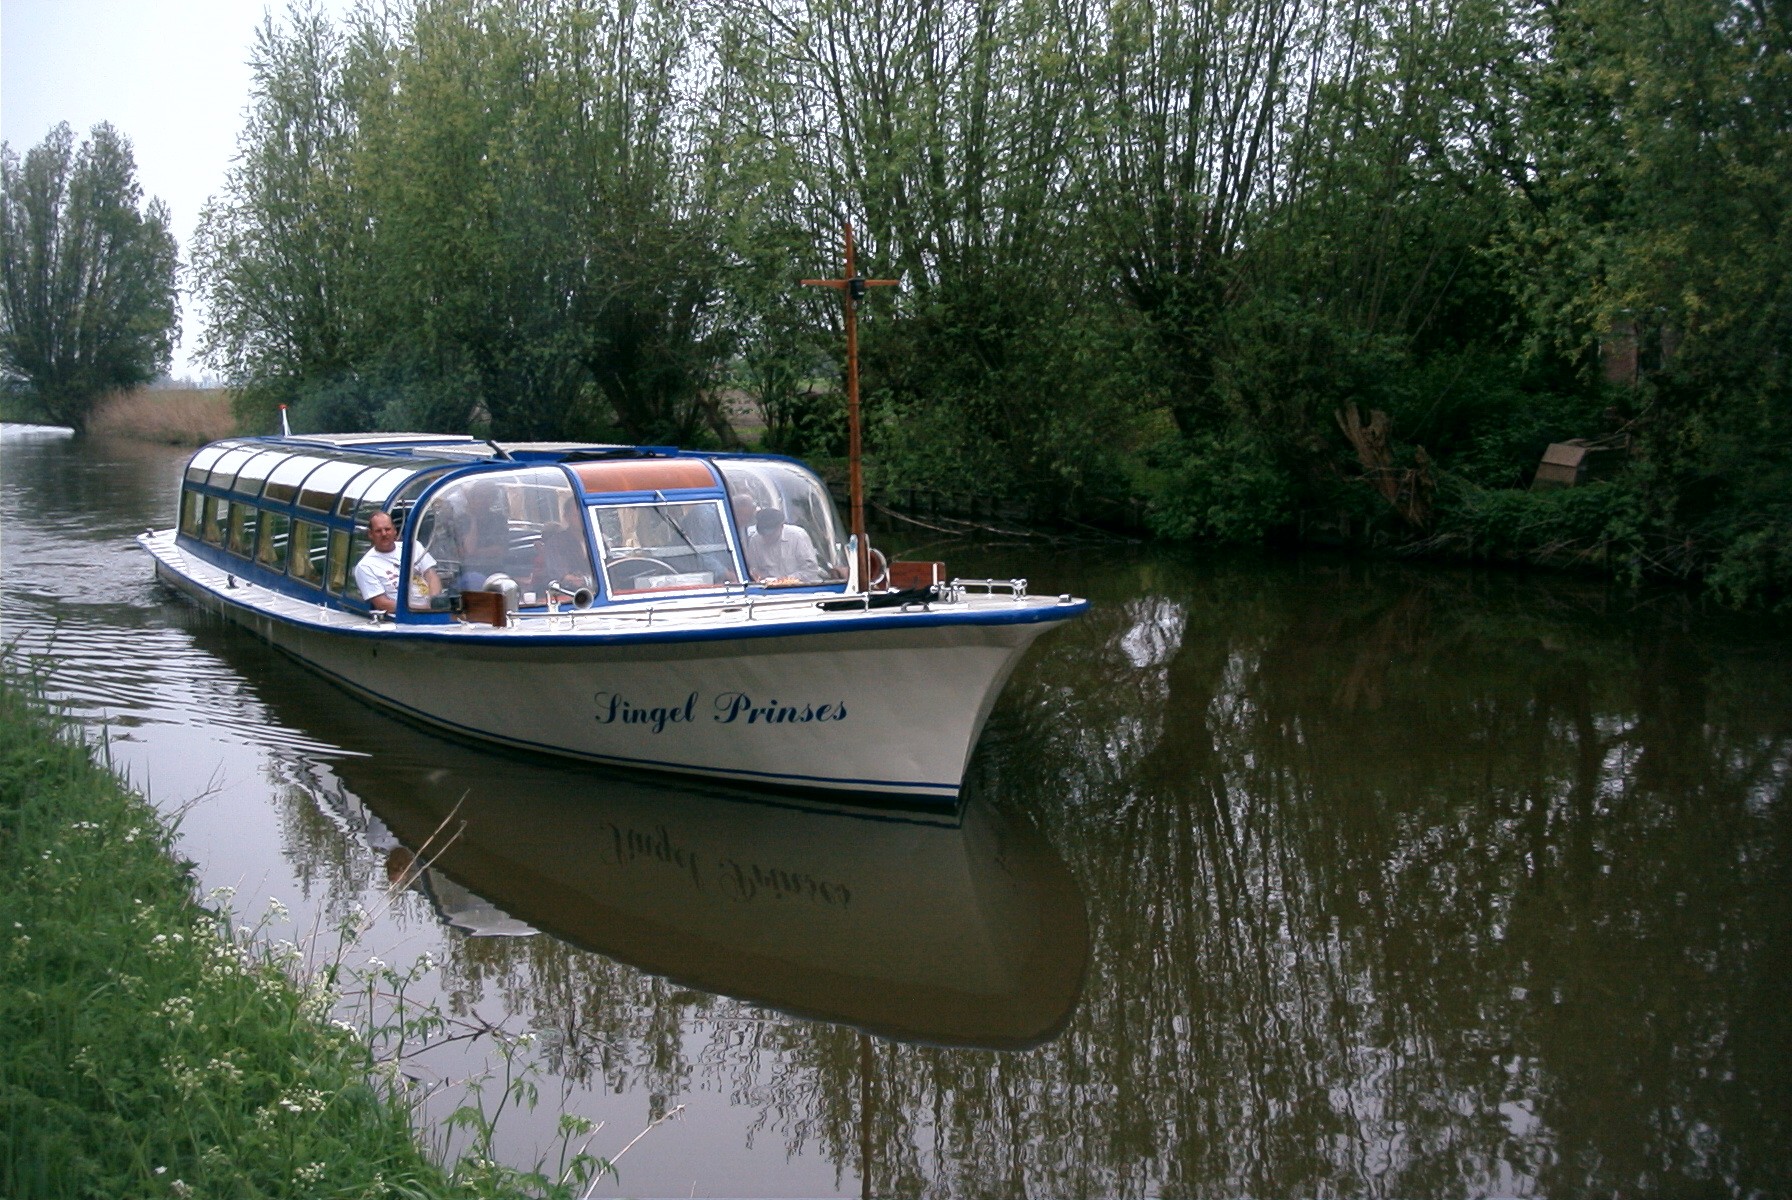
(852, 290)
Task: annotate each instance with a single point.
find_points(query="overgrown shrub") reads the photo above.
(1599, 524)
(1224, 488)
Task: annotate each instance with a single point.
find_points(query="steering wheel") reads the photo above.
(633, 569)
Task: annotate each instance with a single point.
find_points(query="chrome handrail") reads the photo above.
(1017, 588)
(754, 606)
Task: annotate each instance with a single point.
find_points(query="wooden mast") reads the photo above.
(852, 290)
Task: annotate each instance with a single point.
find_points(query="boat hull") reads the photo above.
(889, 705)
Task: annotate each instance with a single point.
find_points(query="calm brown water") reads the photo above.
(1278, 879)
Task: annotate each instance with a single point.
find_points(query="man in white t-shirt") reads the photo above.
(778, 552)
(377, 572)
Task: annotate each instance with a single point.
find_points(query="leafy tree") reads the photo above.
(1149, 248)
(87, 274)
(948, 134)
(462, 212)
(282, 257)
(1661, 211)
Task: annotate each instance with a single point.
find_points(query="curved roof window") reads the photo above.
(203, 460)
(322, 487)
(369, 488)
(224, 470)
(252, 474)
(374, 488)
(283, 483)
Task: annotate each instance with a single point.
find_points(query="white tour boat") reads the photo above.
(700, 613)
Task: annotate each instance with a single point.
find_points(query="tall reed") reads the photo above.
(174, 416)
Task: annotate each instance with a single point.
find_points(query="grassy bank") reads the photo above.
(146, 1047)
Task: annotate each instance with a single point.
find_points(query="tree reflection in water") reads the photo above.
(1419, 887)
(1397, 884)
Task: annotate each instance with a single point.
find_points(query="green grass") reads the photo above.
(147, 1046)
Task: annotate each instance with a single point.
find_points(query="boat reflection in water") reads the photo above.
(961, 929)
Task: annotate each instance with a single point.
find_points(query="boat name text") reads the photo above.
(727, 708)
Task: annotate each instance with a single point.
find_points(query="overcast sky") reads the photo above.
(171, 75)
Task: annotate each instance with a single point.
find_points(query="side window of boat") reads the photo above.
(406, 499)
(338, 573)
(271, 552)
(217, 518)
(192, 513)
(243, 519)
(306, 557)
(756, 485)
(450, 533)
(357, 549)
(526, 525)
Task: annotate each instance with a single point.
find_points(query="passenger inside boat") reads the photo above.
(484, 548)
(808, 547)
(562, 556)
(779, 552)
(377, 573)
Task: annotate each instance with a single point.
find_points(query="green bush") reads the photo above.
(1755, 570)
(1225, 488)
(1599, 524)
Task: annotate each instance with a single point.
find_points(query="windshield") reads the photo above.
(652, 547)
(785, 520)
(523, 525)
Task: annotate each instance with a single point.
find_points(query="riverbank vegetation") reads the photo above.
(150, 1047)
(1263, 270)
(175, 416)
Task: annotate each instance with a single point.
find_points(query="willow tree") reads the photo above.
(947, 134)
(460, 211)
(282, 256)
(87, 274)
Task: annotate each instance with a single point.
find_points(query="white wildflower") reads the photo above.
(303, 1100)
(178, 1009)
